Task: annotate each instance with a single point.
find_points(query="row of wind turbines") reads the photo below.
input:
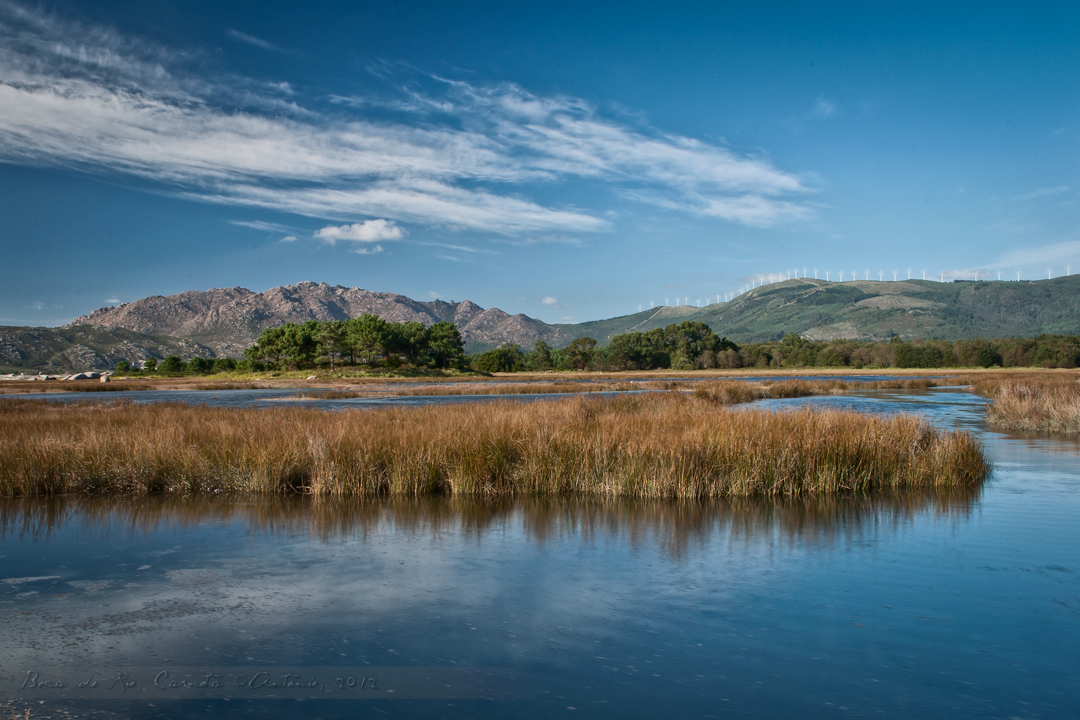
(770, 278)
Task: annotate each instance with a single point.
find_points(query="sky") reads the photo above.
(569, 161)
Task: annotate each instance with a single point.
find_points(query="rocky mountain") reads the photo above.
(222, 322)
(227, 320)
(84, 347)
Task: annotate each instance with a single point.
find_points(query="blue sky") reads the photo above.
(569, 161)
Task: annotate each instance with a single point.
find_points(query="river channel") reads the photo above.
(921, 605)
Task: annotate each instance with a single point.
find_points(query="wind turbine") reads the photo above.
(924, 273)
(942, 277)
(909, 273)
(639, 308)
(826, 276)
(1017, 276)
(867, 274)
(841, 276)
(894, 276)
(881, 275)
(1048, 273)
(815, 273)
(667, 301)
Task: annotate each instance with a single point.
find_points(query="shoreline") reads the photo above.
(967, 376)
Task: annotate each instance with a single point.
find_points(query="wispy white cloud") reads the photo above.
(1053, 254)
(251, 40)
(368, 231)
(1042, 192)
(824, 108)
(112, 301)
(260, 225)
(457, 154)
(367, 250)
(542, 240)
(1033, 263)
(288, 239)
(460, 248)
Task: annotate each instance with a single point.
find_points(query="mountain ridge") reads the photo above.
(221, 322)
(227, 320)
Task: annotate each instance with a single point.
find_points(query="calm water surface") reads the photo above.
(907, 606)
(272, 397)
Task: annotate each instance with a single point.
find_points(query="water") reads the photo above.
(916, 605)
(271, 397)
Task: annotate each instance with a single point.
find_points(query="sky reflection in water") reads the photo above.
(911, 605)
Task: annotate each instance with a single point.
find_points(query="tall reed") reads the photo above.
(651, 445)
(1033, 404)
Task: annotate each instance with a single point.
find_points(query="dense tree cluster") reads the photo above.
(367, 340)
(682, 346)
(1049, 351)
(691, 345)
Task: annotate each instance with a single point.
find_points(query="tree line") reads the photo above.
(681, 346)
(371, 342)
(693, 345)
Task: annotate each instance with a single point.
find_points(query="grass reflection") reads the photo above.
(676, 527)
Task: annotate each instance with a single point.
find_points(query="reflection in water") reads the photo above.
(673, 527)
(921, 604)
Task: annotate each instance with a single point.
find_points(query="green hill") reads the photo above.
(872, 310)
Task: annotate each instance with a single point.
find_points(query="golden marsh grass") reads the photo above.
(1040, 403)
(652, 445)
(733, 392)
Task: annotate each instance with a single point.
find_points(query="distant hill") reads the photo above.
(222, 322)
(227, 320)
(820, 310)
(85, 347)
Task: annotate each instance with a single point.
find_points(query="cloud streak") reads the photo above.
(251, 40)
(454, 154)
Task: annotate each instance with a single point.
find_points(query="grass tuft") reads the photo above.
(1049, 404)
